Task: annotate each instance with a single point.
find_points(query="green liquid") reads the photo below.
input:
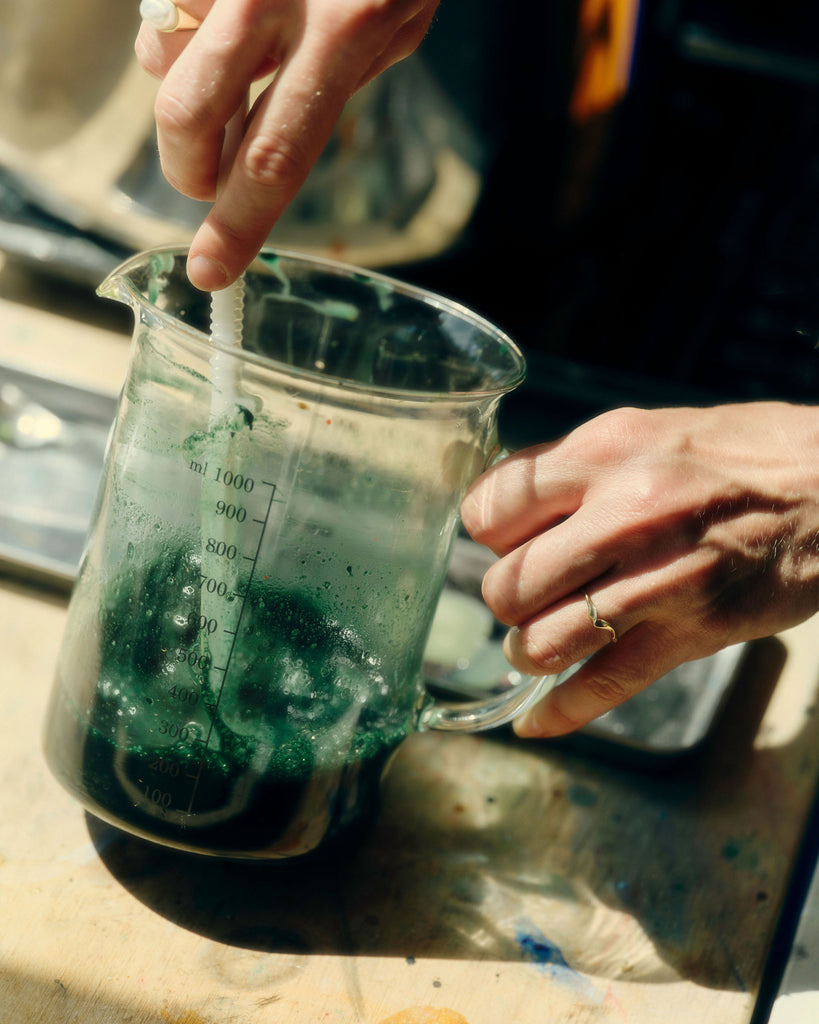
(274, 757)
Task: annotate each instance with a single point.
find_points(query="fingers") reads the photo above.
(524, 494)
(156, 51)
(549, 567)
(531, 491)
(284, 137)
(323, 49)
(204, 87)
(690, 529)
(606, 680)
(289, 128)
(405, 41)
(587, 621)
(553, 642)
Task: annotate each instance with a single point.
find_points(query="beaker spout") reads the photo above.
(139, 281)
(115, 286)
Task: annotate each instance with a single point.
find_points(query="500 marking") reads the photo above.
(192, 658)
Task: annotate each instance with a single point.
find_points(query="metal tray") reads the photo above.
(48, 483)
(669, 719)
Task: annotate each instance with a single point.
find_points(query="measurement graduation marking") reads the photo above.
(234, 634)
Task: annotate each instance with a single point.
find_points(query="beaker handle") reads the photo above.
(475, 716)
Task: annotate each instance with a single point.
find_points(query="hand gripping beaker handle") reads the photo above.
(475, 716)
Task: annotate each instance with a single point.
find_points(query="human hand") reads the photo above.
(691, 529)
(323, 51)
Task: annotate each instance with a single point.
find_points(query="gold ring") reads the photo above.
(167, 16)
(599, 623)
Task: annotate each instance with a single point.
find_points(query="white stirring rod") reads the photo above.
(226, 322)
(227, 304)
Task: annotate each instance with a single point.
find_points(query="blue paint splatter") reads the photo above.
(539, 950)
(548, 958)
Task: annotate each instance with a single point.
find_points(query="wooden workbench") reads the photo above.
(504, 882)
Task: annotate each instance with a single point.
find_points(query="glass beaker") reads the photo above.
(244, 643)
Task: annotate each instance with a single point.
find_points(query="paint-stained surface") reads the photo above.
(426, 1015)
(508, 882)
(503, 883)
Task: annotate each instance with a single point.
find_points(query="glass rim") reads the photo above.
(117, 283)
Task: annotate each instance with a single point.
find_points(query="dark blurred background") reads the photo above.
(630, 187)
(664, 247)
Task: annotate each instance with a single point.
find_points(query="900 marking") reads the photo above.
(237, 512)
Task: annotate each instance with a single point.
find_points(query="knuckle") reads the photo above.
(371, 18)
(609, 690)
(176, 118)
(148, 58)
(275, 160)
(615, 434)
(561, 720)
(543, 653)
(499, 600)
(368, 11)
(646, 500)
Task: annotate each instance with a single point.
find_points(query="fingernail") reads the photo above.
(206, 273)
